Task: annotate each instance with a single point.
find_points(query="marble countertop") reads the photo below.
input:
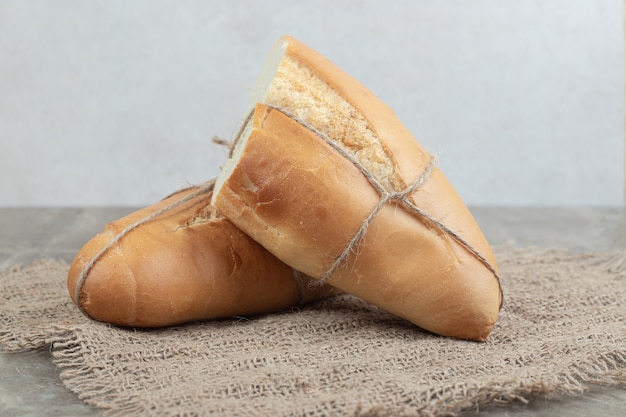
(30, 384)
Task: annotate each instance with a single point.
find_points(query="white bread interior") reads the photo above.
(287, 84)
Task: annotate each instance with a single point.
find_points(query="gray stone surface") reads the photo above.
(30, 384)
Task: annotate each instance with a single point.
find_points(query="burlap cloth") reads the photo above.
(561, 329)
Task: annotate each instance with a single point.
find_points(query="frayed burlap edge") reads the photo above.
(68, 341)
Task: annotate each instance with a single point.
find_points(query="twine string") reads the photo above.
(297, 277)
(203, 189)
(387, 196)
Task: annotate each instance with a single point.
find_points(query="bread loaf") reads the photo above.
(325, 176)
(187, 263)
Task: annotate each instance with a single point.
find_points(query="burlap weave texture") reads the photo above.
(562, 328)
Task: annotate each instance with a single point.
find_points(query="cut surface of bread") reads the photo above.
(295, 183)
(290, 84)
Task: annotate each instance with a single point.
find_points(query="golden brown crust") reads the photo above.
(182, 266)
(277, 187)
(436, 269)
(303, 201)
(437, 197)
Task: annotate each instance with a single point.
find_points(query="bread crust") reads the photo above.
(302, 201)
(298, 197)
(437, 197)
(186, 264)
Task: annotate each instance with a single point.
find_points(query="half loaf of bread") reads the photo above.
(185, 263)
(325, 176)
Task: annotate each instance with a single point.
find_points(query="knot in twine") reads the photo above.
(386, 196)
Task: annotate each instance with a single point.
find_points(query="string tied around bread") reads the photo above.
(202, 189)
(207, 187)
(387, 196)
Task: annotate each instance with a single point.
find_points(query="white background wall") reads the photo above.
(114, 102)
